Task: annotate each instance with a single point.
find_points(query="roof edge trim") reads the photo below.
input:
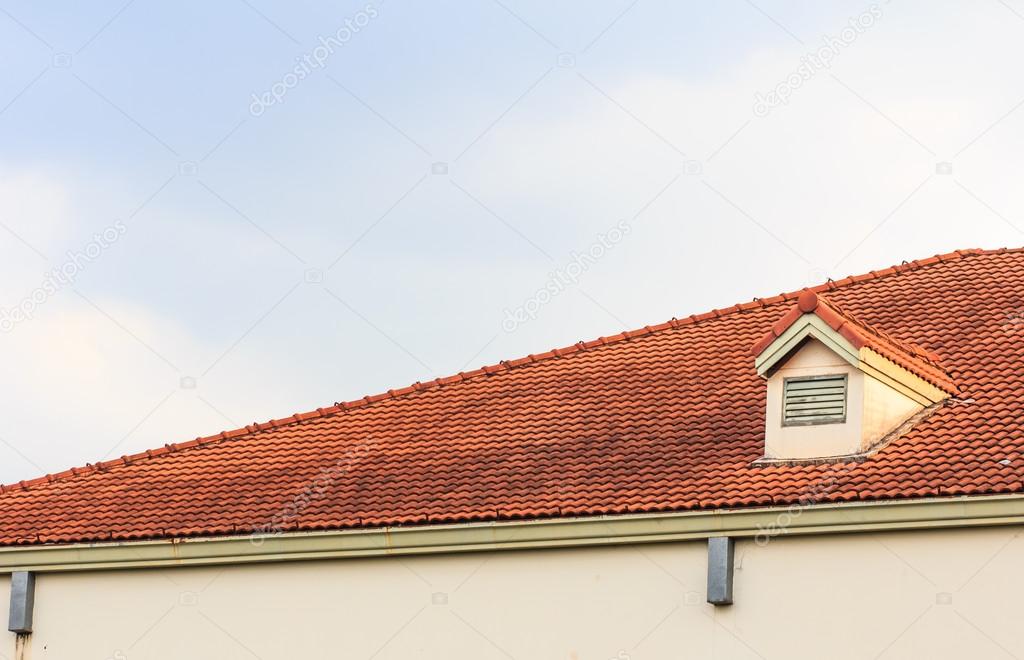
(900, 379)
(758, 524)
(809, 325)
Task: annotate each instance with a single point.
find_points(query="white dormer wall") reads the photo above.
(817, 440)
(873, 408)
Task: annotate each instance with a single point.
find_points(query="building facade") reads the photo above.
(836, 472)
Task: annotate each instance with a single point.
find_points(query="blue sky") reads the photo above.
(377, 225)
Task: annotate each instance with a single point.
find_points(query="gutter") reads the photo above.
(760, 525)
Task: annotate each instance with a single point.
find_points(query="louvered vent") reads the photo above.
(814, 400)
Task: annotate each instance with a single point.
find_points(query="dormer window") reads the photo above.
(837, 388)
(814, 400)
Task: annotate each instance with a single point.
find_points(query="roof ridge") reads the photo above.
(487, 370)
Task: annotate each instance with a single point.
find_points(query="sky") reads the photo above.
(219, 213)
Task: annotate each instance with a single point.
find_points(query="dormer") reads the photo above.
(838, 388)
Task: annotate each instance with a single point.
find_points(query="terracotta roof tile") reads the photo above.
(665, 418)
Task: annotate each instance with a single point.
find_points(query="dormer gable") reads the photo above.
(838, 388)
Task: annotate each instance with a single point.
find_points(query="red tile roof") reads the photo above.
(665, 418)
(913, 358)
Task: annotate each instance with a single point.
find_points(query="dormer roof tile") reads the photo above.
(915, 359)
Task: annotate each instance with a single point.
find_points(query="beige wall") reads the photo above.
(884, 410)
(928, 594)
(7, 648)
